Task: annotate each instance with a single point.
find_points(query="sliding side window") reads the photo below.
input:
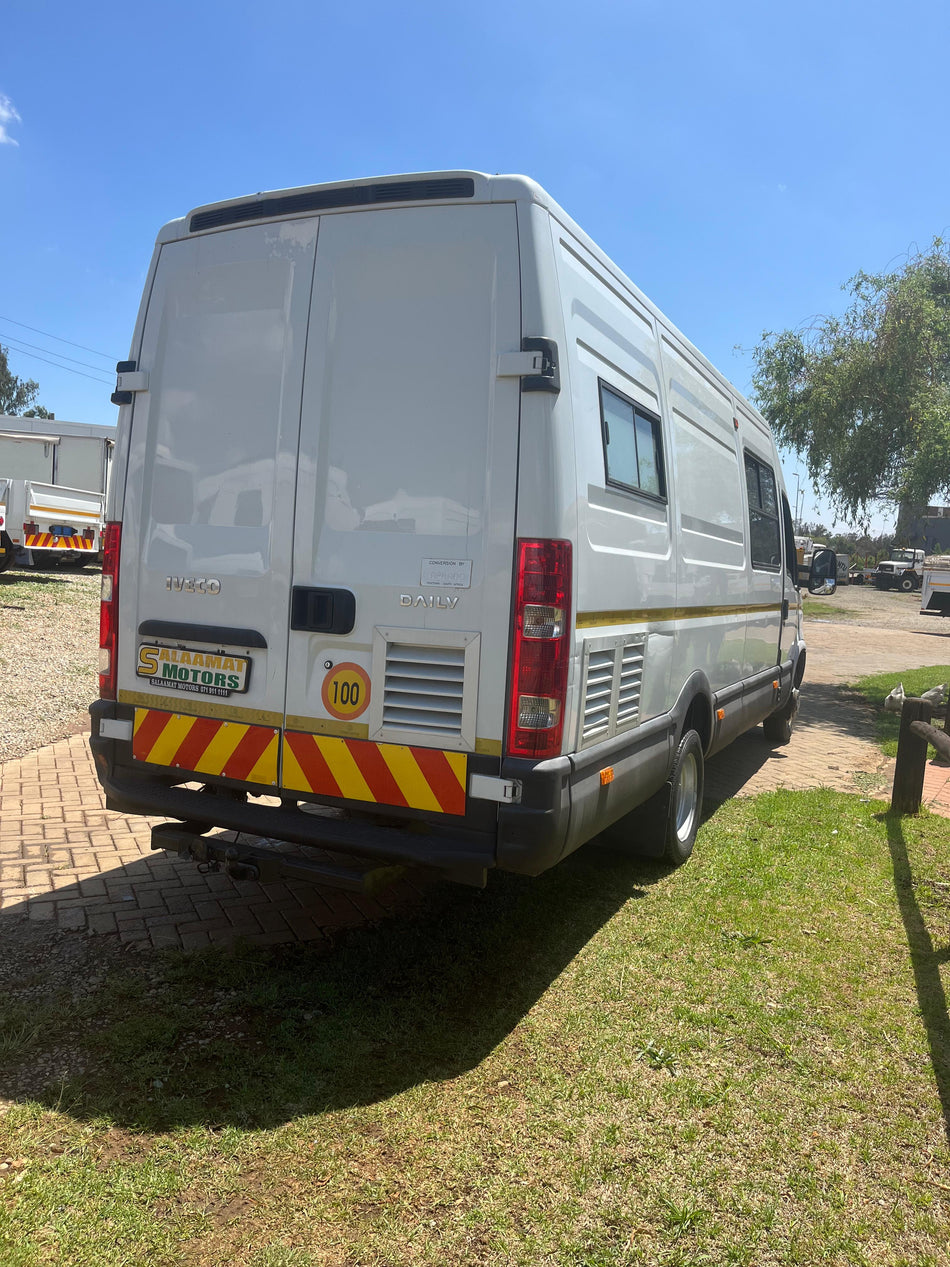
(633, 451)
(763, 515)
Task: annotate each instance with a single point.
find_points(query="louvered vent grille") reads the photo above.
(329, 199)
(612, 689)
(423, 689)
(600, 680)
(631, 678)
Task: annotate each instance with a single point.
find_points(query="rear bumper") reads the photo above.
(563, 802)
(454, 847)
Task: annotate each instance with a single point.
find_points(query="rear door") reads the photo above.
(405, 509)
(208, 511)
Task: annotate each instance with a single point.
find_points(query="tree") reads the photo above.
(864, 398)
(16, 394)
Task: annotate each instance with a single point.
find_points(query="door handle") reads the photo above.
(320, 610)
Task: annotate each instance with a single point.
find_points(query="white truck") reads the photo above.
(902, 571)
(431, 541)
(935, 590)
(53, 482)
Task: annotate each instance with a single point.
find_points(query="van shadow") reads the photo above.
(925, 963)
(256, 1035)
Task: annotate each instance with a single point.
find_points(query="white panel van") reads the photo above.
(431, 542)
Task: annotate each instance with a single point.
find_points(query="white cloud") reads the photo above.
(7, 115)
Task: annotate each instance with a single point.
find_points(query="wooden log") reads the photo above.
(938, 739)
(911, 758)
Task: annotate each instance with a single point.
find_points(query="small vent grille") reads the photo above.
(600, 684)
(330, 199)
(423, 689)
(631, 677)
(612, 688)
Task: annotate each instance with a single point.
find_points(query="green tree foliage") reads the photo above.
(18, 394)
(865, 398)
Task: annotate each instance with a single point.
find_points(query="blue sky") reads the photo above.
(738, 161)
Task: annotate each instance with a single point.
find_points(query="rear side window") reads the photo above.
(764, 530)
(633, 451)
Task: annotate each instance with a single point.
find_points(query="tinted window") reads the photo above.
(764, 530)
(633, 454)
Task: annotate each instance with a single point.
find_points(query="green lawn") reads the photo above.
(743, 1061)
(875, 689)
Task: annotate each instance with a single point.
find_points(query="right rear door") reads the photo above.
(405, 506)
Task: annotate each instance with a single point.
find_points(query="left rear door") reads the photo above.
(208, 521)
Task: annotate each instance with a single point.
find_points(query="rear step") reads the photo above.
(266, 860)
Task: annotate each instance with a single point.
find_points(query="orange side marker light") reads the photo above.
(607, 776)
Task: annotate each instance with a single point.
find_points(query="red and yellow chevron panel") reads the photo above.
(207, 746)
(46, 541)
(380, 773)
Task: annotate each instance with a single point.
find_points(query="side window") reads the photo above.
(763, 515)
(633, 451)
(791, 558)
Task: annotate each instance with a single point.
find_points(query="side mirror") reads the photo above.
(823, 578)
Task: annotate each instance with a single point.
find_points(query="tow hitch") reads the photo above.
(266, 861)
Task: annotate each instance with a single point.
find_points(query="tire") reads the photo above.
(686, 801)
(778, 726)
(665, 826)
(6, 559)
(906, 584)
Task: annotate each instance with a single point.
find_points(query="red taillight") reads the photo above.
(109, 611)
(541, 645)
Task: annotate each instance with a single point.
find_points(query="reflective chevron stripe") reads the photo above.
(381, 774)
(206, 746)
(46, 541)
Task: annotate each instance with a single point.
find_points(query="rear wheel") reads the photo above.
(6, 552)
(686, 801)
(665, 826)
(778, 727)
(906, 584)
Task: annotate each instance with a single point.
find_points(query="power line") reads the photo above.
(47, 335)
(22, 343)
(56, 365)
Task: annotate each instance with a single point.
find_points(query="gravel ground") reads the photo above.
(884, 609)
(49, 637)
(49, 652)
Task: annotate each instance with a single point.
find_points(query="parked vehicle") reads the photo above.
(427, 522)
(903, 571)
(844, 568)
(53, 482)
(935, 590)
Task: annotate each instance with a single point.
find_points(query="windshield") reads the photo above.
(903, 556)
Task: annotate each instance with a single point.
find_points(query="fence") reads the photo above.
(915, 734)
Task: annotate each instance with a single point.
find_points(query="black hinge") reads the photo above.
(549, 380)
(123, 398)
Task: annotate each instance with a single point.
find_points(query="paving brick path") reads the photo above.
(66, 860)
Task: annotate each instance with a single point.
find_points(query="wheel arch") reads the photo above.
(693, 710)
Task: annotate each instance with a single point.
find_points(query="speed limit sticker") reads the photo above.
(345, 691)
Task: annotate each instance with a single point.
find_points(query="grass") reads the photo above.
(740, 1062)
(821, 609)
(875, 689)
